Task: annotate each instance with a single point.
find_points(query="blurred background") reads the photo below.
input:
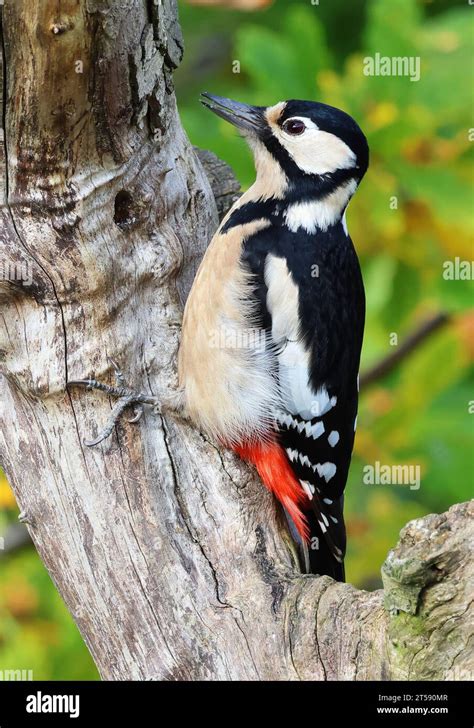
(412, 217)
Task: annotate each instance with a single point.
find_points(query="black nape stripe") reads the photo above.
(250, 212)
(311, 188)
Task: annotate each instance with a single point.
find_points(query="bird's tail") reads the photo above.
(320, 542)
(275, 471)
(323, 559)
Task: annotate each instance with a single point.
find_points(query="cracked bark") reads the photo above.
(172, 559)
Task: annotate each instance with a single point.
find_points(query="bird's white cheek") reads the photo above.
(319, 152)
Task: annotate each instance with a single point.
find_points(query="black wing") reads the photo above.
(317, 427)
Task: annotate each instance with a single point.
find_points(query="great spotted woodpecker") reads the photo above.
(282, 264)
(273, 326)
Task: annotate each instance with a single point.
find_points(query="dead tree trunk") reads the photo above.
(170, 556)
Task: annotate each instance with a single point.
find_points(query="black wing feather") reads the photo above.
(331, 312)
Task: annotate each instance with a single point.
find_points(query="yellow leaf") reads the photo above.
(7, 499)
(382, 114)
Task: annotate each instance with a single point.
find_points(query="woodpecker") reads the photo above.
(273, 325)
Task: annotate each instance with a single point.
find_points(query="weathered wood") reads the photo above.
(172, 559)
(225, 187)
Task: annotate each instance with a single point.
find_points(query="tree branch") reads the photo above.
(403, 350)
(225, 187)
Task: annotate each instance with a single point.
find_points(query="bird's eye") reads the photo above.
(294, 126)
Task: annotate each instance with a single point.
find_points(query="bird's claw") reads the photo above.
(119, 377)
(126, 397)
(138, 414)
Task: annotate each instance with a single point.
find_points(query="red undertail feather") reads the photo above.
(276, 473)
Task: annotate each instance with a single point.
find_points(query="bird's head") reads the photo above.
(302, 148)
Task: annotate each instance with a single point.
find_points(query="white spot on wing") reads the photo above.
(304, 460)
(284, 418)
(314, 431)
(317, 430)
(333, 438)
(292, 454)
(326, 471)
(308, 488)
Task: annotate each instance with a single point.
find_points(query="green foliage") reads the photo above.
(37, 632)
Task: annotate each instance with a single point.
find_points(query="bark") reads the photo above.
(171, 557)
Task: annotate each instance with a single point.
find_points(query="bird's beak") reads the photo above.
(243, 116)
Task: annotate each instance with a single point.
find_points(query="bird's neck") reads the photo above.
(318, 212)
(299, 206)
(272, 184)
(309, 203)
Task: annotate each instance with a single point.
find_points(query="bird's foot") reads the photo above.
(126, 396)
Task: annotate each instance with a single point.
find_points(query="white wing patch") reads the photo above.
(296, 392)
(293, 360)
